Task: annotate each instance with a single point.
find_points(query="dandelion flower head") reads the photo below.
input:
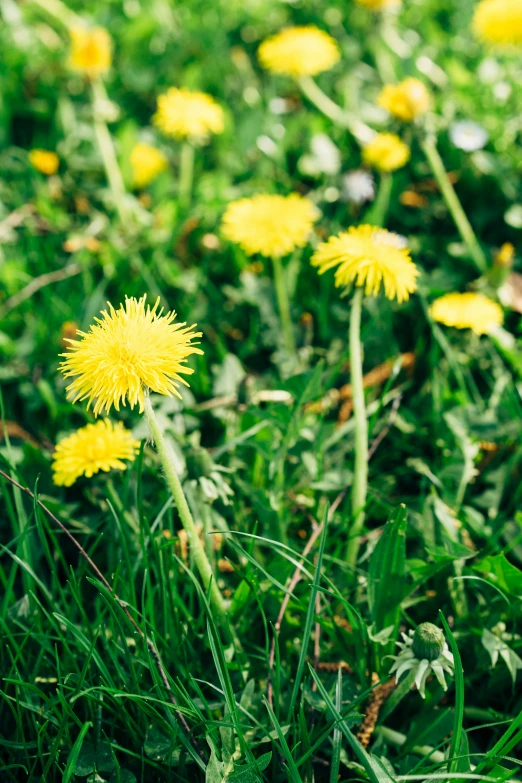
(468, 135)
(371, 257)
(405, 100)
(127, 350)
(498, 21)
(467, 311)
(90, 51)
(183, 114)
(422, 660)
(386, 152)
(44, 161)
(379, 5)
(269, 225)
(299, 51)
(358, 186)
(100, 446)
(146, 163)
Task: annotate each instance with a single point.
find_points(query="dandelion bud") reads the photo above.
(428, 642)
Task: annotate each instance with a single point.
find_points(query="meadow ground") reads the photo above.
(275, 536)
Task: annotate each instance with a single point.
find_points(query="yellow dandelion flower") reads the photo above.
(100, 446)
(386, 152)
(184, 114)
(90, 51)
(370, 257)
(272, 226)
(498, 21)
(44, 161)
(299, 51)
(127, 350)
(146, 162)
(379, 5)
(405, 100)
(467, 311)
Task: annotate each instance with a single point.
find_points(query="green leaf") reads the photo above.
(498, 570)
(214, 770)
(70, 767)
(374, 768)
(387, 572)
(457, 737)
(247, 773)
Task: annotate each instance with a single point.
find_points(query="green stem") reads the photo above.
(360, 477)
(174, 484)
(60, 12)
(119, 507)
(376, 215)
(284, 305)
(455, 207)
(107, 151)
(186, 174)
(362, 132)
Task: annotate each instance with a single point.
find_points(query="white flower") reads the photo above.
(358, 186)
(324, 158)
(468, 135)
(407, 660)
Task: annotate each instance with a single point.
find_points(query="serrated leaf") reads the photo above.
(249, 773)
(214, 770)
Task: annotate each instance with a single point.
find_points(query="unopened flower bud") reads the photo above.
(428, 642)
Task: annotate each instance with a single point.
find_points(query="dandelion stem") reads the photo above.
(174, 484)
(455, 207)
(284, 305)
(362, 132)
(106, 147)
(360, 478)
(186, 174)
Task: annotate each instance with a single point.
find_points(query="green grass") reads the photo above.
(113, 665)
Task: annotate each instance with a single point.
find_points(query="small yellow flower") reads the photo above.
(505, 255)
(498, 21)
(405, 100)
(90, 51)
(379, 5)
(185, 114)
(127, 350)
(386, 152)
(44, 161)
(370, 257)
(146, 162)
(467, 311)
(299, 51)
(100, 446)
(272, 226)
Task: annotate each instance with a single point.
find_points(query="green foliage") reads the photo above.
(123, 673)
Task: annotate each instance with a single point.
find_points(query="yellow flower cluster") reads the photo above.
(405, 100)
(467, 311)
(90, 51)
(379, 5)
(269, 225)
(44, 161)
(299, 51)
(371, 257)
(498, 21)
(126, 350)
(100, 446)
(386, 152)
(183, 113)
(146, 162)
